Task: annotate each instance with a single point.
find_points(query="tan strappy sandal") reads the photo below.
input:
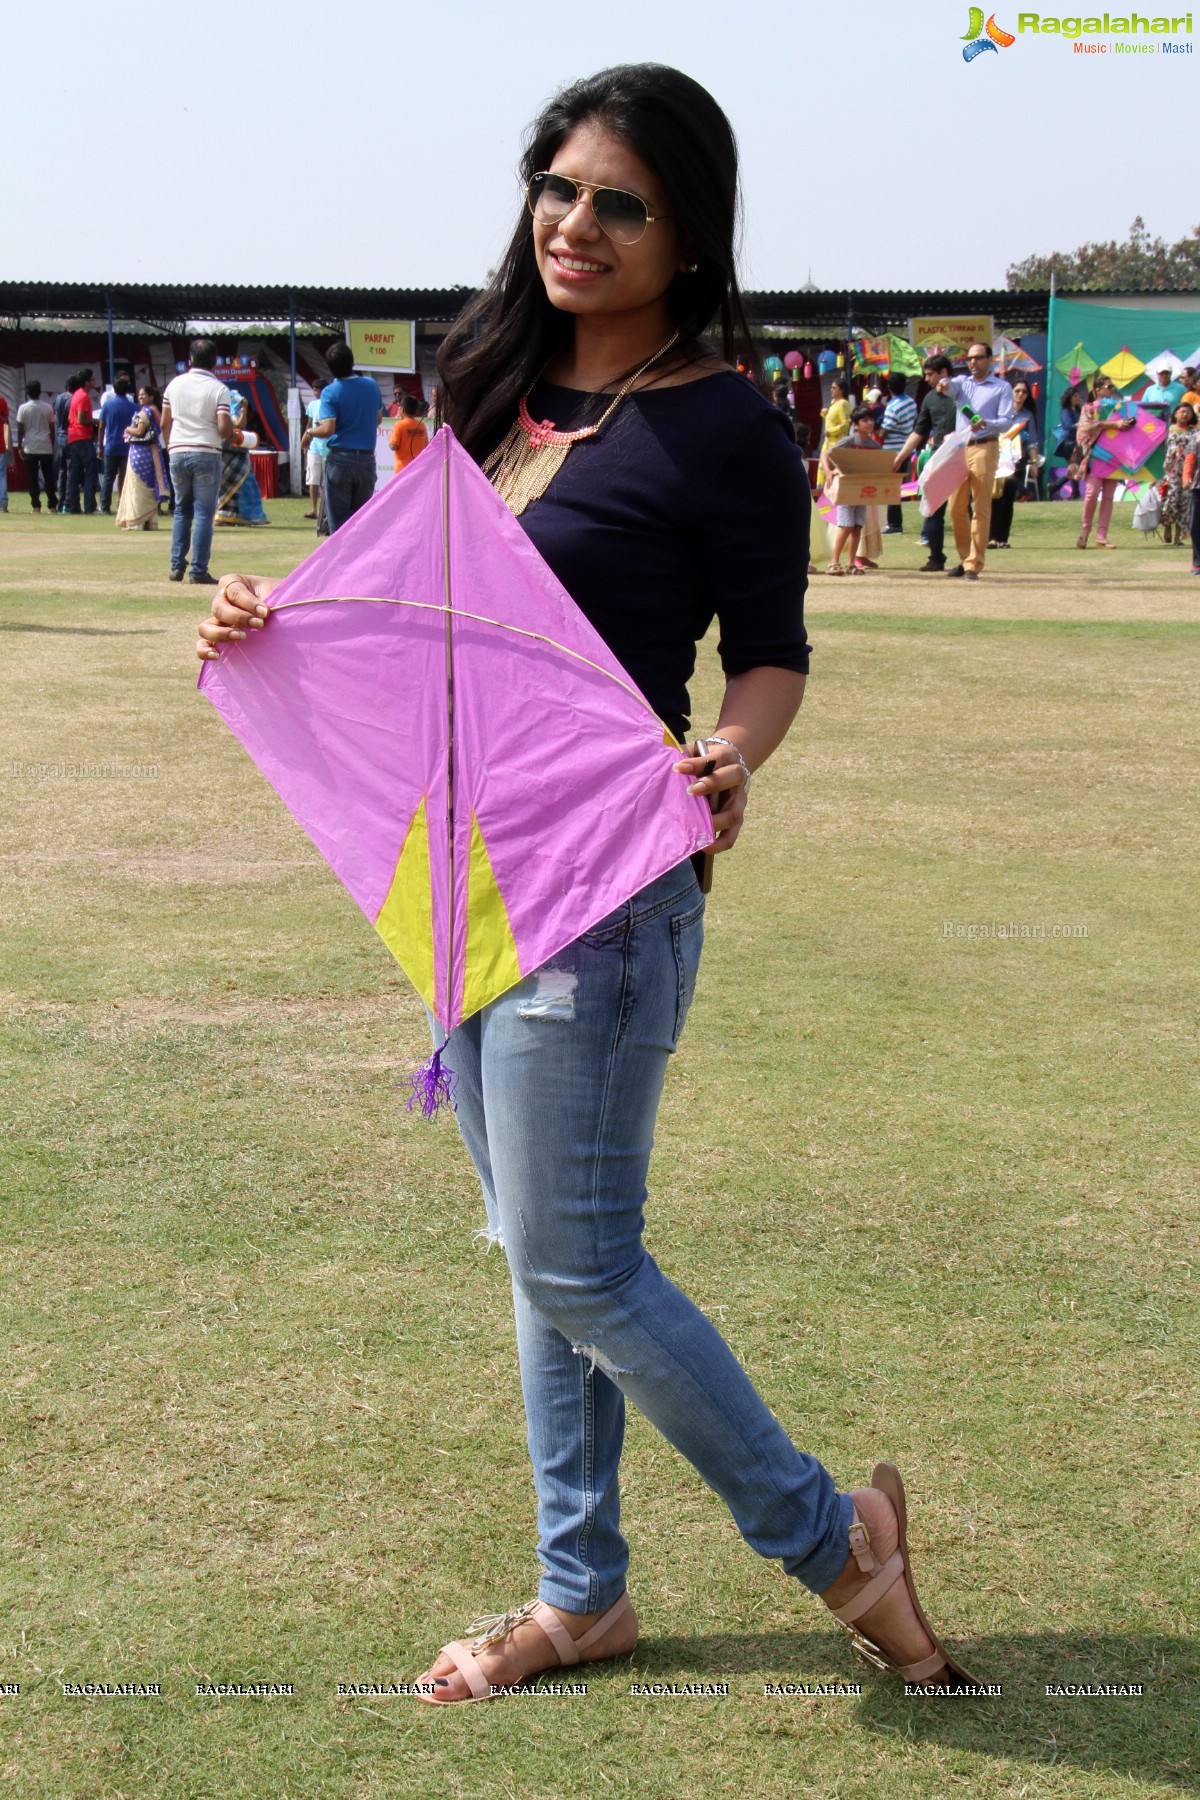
(940, 1670)
(496, 1627)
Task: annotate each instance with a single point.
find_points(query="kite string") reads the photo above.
(458, 612)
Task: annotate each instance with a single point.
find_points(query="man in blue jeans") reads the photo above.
(196, 418)
(350, 413)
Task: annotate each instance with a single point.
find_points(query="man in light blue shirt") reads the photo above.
(1163, 395)
(985, 409)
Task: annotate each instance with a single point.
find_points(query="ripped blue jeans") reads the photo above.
(558, 1084)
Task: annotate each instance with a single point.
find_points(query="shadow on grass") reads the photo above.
(90, 630)
(1153, 1737)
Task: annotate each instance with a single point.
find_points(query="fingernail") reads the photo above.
(440, 1681)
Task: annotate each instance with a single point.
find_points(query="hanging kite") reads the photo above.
(870, 355)
(902, 357)
(1166, 359)
(445, 725)
(1123, 368)
(1076, 364)
(1010, 356)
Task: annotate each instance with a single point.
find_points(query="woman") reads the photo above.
(1176, 497)
(1021, 435)
(837, 422)
(1068, 426)
(683, 499)
(240, 501)
(1094, 415)
(145, 485)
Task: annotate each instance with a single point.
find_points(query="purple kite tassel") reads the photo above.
(432, 1085)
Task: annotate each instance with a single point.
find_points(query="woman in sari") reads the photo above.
(146, 476)
(240, 500)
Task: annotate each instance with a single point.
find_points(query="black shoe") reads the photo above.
(205, 580)
(957, 571)
(932, 568)
(176, 575)
(892, 531)
(970, 575)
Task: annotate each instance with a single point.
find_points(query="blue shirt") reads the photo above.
(116, 412)
(355, 403)
(1163, 399)
(318, 446)
(991, 399)
(899, 417)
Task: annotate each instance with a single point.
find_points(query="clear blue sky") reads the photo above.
(374, 142)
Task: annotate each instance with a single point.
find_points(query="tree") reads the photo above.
(1142, 264)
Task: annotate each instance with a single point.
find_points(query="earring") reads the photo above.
(691, 268)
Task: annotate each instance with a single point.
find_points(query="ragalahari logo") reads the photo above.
(975, 42)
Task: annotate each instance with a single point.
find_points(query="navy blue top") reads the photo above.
(691, 503)
(116, 412)
(355, 403)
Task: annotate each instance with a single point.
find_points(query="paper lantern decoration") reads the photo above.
(808, 370)
(772, 366)
(827, 362)
(1124, 367)
(792, 360)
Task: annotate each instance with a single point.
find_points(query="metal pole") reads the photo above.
(108, 309)
(1049, 422)
(295, 467)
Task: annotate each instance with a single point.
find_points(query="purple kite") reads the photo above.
(460, 745)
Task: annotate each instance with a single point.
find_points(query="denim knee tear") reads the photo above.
(553, 996)
(491, 1238)
(596, 1360)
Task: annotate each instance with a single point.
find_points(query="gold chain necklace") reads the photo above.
(523, 466)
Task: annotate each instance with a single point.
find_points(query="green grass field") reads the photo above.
(934, 1178)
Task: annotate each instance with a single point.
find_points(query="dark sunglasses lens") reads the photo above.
(623, 216)
(552, 196)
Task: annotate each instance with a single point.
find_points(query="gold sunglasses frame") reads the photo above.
(591, 189)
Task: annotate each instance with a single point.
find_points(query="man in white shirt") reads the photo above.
(196, 418)
(35, 441)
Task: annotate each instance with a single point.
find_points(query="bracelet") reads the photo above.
(712, 738)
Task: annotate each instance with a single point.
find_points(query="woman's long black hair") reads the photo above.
(502, 340)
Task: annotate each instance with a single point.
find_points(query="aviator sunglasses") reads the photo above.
(622, 217)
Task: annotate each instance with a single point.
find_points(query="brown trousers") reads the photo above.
(971, 532)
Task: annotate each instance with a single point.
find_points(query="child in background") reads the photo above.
(850, 520)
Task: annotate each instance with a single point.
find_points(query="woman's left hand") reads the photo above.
(719, 776)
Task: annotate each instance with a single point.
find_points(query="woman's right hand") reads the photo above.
(239, 606)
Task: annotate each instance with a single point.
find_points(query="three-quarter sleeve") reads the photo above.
(755, 537)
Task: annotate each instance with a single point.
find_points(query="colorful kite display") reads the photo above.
(461, 746)
(1010, 357)
(1123, 368)
(1076, 364)
(1166, 359)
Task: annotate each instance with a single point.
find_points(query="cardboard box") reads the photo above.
(863, 477)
